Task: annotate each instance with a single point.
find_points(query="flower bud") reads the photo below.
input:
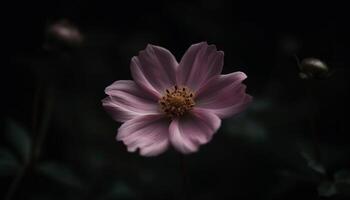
(62, 34)
(313, 68)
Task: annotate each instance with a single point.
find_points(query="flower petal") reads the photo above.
(126, 100)
(234, 109)
(224, 95)
(200, 62)
(148, 133)
(154, 69)
(189, 132)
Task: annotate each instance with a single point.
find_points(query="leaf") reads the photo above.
(311, 161)
(260, 104)
(342, 181)
(60, 173)
(317, 166)
(8, 163)
(327, 189)
(342, 176)
(248, 128)
(47, 111)
(120, 190)
(18, 137)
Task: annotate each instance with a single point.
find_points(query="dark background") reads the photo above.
(291, 143)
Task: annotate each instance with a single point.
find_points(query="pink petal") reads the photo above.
(154, 69)
(148, 133)
(126, 100)
(189, 132)
(224, 95)
(200, 62)
(232, 110)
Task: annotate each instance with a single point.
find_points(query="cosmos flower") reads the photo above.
(174, 104)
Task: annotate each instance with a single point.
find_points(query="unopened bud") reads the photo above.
(313, 68)
(63, 34)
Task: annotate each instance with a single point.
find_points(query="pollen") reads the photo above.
(177, 101)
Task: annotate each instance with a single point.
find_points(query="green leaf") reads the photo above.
(327, 189)
(342, 176)
(317, 166)
(342, 181)
(120, 190)
(18, 137)
(60, 173)
(248, 128)
(8, 163)
(311, 161)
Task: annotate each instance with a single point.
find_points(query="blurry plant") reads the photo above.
(60, 173)
(249, 126)
(337, 185)
(314, 173)
(119, 190)
(311, 159)
(63, 34)
(326, 189)
(328, 184)
(318, 169)
(342, 181)
(23, 156)
(9, 164)
(22, 160)
(19, 140)
(313, 68)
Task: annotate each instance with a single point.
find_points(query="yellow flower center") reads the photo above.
(177, 101)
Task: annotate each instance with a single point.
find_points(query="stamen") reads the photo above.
(177, 101)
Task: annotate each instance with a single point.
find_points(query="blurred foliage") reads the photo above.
(311, 159)
(60, 173)
(327, 189)
(248, 125)
(338, 185)
(119, 190)
(8, 163)
(19, 140)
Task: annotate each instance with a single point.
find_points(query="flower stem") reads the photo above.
(315, 137)
(313, 125)
(15, 183)
(39, 136)
(45, 120)
(184, 177)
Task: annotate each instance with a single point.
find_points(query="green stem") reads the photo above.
(314, 135)
(15, 183)
(39, 137)
(184, 177)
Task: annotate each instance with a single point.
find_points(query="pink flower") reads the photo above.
(174, 104)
